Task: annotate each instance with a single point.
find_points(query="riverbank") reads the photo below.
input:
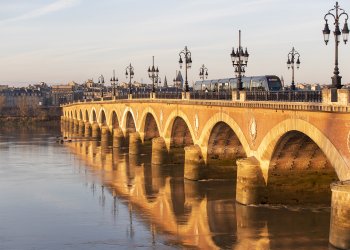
(20, 121)
(46, 116)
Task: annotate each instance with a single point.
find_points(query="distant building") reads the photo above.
(179, 81)
(4, 87)
(315, 87)
(302, 86)
(165, 82)
(63, 93)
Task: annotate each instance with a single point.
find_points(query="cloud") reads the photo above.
(45, 10)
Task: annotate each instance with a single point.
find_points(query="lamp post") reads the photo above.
(239, 62)
(188, 64)
(153, 74)
(336, 79)
(114, 81)
(291, 63)
(129, 72)
(203, 74)
(101, 80)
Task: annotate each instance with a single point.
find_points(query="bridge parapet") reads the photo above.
(339, 107)
(292, 100)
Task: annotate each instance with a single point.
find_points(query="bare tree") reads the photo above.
(23, 107)
(2, 103)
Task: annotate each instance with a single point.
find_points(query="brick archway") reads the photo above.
(270, 141)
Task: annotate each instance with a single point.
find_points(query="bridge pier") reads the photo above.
(95, 130)
(81, 128)
(105, 134)
(134, 143)
(251, 188)
(75, 127)
(70, 126)
(194, 163)
(87, 130)
(118, 138)
(339, 235)
(159, 151)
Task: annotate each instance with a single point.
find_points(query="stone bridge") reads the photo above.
(269, 132)
(280, 152)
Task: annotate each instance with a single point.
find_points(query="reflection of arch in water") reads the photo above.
(222, 222)
(299, 171)
(180, 209)
(153, 181)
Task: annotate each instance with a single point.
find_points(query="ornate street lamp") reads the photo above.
(153, 74)
(336, 79)
(114, 81)
(203, 73)
(291, 63)
(188, 64)
(101, 80)
(239, 62)
(129, 72)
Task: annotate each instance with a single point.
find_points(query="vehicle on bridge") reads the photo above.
(254, 83)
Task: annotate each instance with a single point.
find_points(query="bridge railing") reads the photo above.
(109, 98)
(122, 96)
(169, 95)
(144, 95)
(285, 96)
(201, 95)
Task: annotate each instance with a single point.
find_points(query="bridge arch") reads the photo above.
(214, 121)
(86, 117)
(224, 144)
(268, 145)
(128, 119)
(102, 118)
(168, 128)
(180, 134)
(93, 115)
(71, 114)
(113, 120)
(149, 124)
(80, 115)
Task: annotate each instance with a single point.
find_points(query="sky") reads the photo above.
(58, 41)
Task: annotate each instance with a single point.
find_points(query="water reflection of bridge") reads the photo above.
(198, 214)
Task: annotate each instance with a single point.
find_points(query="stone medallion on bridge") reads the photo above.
(253, 129)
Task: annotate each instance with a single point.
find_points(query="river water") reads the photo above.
(84, 195)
